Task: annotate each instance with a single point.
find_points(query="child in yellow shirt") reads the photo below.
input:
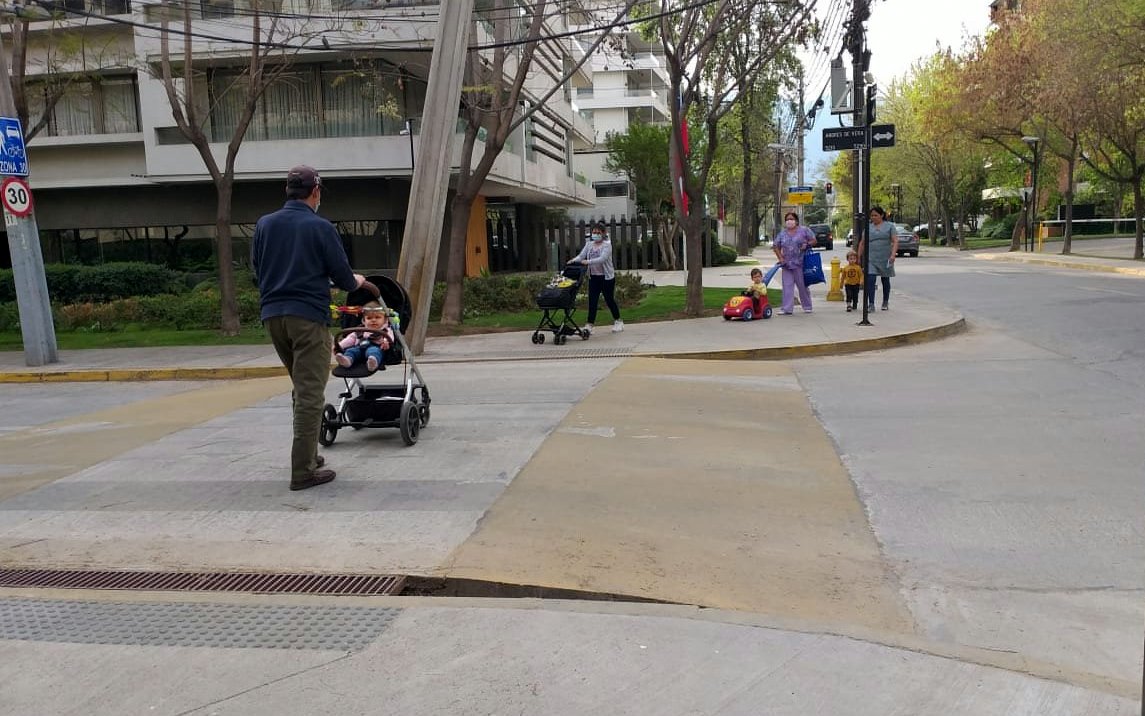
(757, 290)
(852, 280)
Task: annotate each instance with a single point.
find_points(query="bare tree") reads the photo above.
(52, 68)
(706, 82)
(274, 42)
(494, 104)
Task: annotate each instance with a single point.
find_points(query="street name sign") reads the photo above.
(840, 139)
(882, 135)
(13, 157)
(797, 195)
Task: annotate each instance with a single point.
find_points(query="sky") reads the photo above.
(900, 32)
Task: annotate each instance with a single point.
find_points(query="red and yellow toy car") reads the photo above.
(746, 307)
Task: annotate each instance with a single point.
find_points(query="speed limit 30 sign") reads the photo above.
(16, 196)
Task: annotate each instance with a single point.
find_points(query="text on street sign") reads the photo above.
(13, 156)
(16, 196)
(838, 139)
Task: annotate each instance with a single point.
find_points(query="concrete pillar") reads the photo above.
(417, 266)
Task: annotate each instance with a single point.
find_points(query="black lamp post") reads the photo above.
(1033, 143)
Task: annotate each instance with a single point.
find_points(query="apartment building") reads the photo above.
(115, 179)
(629, 84)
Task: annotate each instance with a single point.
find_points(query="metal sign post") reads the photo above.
(36, 327)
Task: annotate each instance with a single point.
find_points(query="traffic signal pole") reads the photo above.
(36, 328)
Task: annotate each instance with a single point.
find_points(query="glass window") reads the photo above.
(289, 107)
(614, 188)
(120, 114)
(218, 8)
(72, 113)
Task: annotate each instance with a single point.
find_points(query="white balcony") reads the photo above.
(594, 99)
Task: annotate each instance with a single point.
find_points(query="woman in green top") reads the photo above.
(884, 242)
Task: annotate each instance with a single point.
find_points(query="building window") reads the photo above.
(605, 189)
(103, 105)
(217, 8)
(316, 101)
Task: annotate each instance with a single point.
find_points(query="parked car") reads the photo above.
(908, 240)
(824, 237)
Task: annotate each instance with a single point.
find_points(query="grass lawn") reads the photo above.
(661, 303)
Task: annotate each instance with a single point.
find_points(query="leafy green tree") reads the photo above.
(701, 43)
(642, 154)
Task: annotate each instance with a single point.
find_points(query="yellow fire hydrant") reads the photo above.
(835, 292)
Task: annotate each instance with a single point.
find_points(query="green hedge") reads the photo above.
(1000, 228)
(500, 293)
(69, 283)
(723, 255)
(200, 308)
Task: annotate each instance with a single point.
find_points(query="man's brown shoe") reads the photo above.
(318, 477)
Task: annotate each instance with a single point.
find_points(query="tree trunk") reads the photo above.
(455, 266)
(947, 230)
(694, 250)
(1139, 217)
(1018, 235)
(1071, 167)
(747, 199)
(667, 238)
(225, 250)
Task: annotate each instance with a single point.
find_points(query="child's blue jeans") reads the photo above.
(356, 353)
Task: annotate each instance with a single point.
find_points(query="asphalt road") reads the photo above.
(1001, 469)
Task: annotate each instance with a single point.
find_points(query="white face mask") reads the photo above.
(791, 223)
(598, 237)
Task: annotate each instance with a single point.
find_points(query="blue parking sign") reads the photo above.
(13, 157)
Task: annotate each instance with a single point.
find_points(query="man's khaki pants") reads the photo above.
(304, 348)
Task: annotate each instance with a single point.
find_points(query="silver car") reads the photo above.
(908, 241)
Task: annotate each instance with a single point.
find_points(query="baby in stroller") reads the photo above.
(370, 343)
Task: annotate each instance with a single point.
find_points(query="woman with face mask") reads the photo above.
(790, 244)
(597, 257)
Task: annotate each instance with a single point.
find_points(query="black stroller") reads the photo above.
(402, 405)
(560, 296)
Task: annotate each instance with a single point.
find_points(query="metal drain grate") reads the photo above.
(259, 583)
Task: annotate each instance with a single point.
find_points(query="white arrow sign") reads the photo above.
(888, 136)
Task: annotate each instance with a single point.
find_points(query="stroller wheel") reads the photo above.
(584, 334)
(329, 430)
(423, 414)
(410, 423)
(538, 338)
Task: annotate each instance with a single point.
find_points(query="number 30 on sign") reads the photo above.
(16, 195)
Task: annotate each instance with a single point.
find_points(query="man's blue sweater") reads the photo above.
(295, 254)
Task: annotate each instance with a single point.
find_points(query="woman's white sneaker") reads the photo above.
(617, 326)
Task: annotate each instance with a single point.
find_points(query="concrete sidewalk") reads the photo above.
(1078, 262)
(580, 474)
(829, 329)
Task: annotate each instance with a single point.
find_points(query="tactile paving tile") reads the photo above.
(228, 626)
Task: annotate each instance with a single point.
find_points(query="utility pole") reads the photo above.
(35, 308)
(429, 191)
(800, 126)
(861, 179)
